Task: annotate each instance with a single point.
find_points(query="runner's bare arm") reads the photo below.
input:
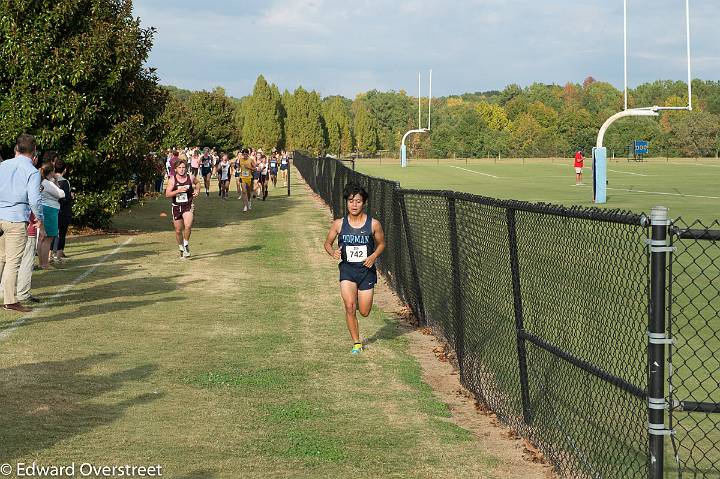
(379, 237)
(332, 234)
(169, 193)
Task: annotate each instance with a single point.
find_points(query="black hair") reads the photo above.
(60, 165)
(352, 189)
(50, 156)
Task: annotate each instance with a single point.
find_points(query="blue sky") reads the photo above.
(348, 47)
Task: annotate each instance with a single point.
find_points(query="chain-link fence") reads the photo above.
(550, 313)
(694, 291)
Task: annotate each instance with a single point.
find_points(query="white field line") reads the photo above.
(694, 164)
(627, 173)
(664, 193)
(614, 171)
(7, 332)
(473, 171)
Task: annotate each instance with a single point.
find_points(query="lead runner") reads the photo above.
(181, 190)
(360, 241)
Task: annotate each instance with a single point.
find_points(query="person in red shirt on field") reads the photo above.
(579, 166)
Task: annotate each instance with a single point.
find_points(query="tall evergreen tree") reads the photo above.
(365, 128)
(336, 115)
(263, 123)
(303, 126)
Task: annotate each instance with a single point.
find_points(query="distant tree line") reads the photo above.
(74, 75)
(536, 121)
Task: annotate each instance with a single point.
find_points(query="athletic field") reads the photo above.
(235, 363)
(688, 187)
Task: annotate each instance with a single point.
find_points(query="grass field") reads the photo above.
(232, 364)
(686, 186)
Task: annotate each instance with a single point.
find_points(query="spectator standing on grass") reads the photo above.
(50, 194)
(65, 215)
(24, 277)
(19, 195)
(579, 166)
(174, 158)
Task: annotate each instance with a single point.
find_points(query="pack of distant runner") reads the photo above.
(253, 171)
(360, 237)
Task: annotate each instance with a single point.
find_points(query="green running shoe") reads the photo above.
(356, 349)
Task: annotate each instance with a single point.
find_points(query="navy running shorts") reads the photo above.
(206, 171)
(365, 278)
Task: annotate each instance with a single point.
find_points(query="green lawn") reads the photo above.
(234, 363)
(688, 187)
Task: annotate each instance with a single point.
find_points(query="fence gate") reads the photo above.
(694, 355)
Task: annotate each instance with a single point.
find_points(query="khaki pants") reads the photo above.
(12, 246)
(24, 277)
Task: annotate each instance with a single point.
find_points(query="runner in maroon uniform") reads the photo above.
(182, 188)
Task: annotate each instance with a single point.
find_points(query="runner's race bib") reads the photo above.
(356, 254)
(181, 198)
(284, 162)
(245, 173)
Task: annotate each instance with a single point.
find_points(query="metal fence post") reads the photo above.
(288, 175)
(657, 340)
(519, 324)
(459, 324)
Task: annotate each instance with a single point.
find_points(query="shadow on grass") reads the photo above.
(44, 403)
(210, 212)
(227, 252)
(87, 311)
(389, 331)
(199, 474)
(124, 295)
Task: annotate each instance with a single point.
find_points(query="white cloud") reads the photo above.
(339, 46)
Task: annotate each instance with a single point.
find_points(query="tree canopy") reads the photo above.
(73, 74)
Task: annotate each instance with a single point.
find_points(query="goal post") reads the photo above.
(419, 129)
(600, 152)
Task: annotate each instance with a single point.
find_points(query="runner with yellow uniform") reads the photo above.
(246, 178)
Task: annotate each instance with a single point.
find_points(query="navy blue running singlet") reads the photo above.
(356, 244)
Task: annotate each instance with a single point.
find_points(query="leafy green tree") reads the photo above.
(263, 121)
(509, 92)
(601, 98)
(493, 115)
(213, 118)
(577, 129)
(303, 126)
(530, 139)
(516, 106)
(695, 133)
(550, 95)
(624, 131)
(178, 125)
(395, 113)
(546, 116)
(73, 75)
